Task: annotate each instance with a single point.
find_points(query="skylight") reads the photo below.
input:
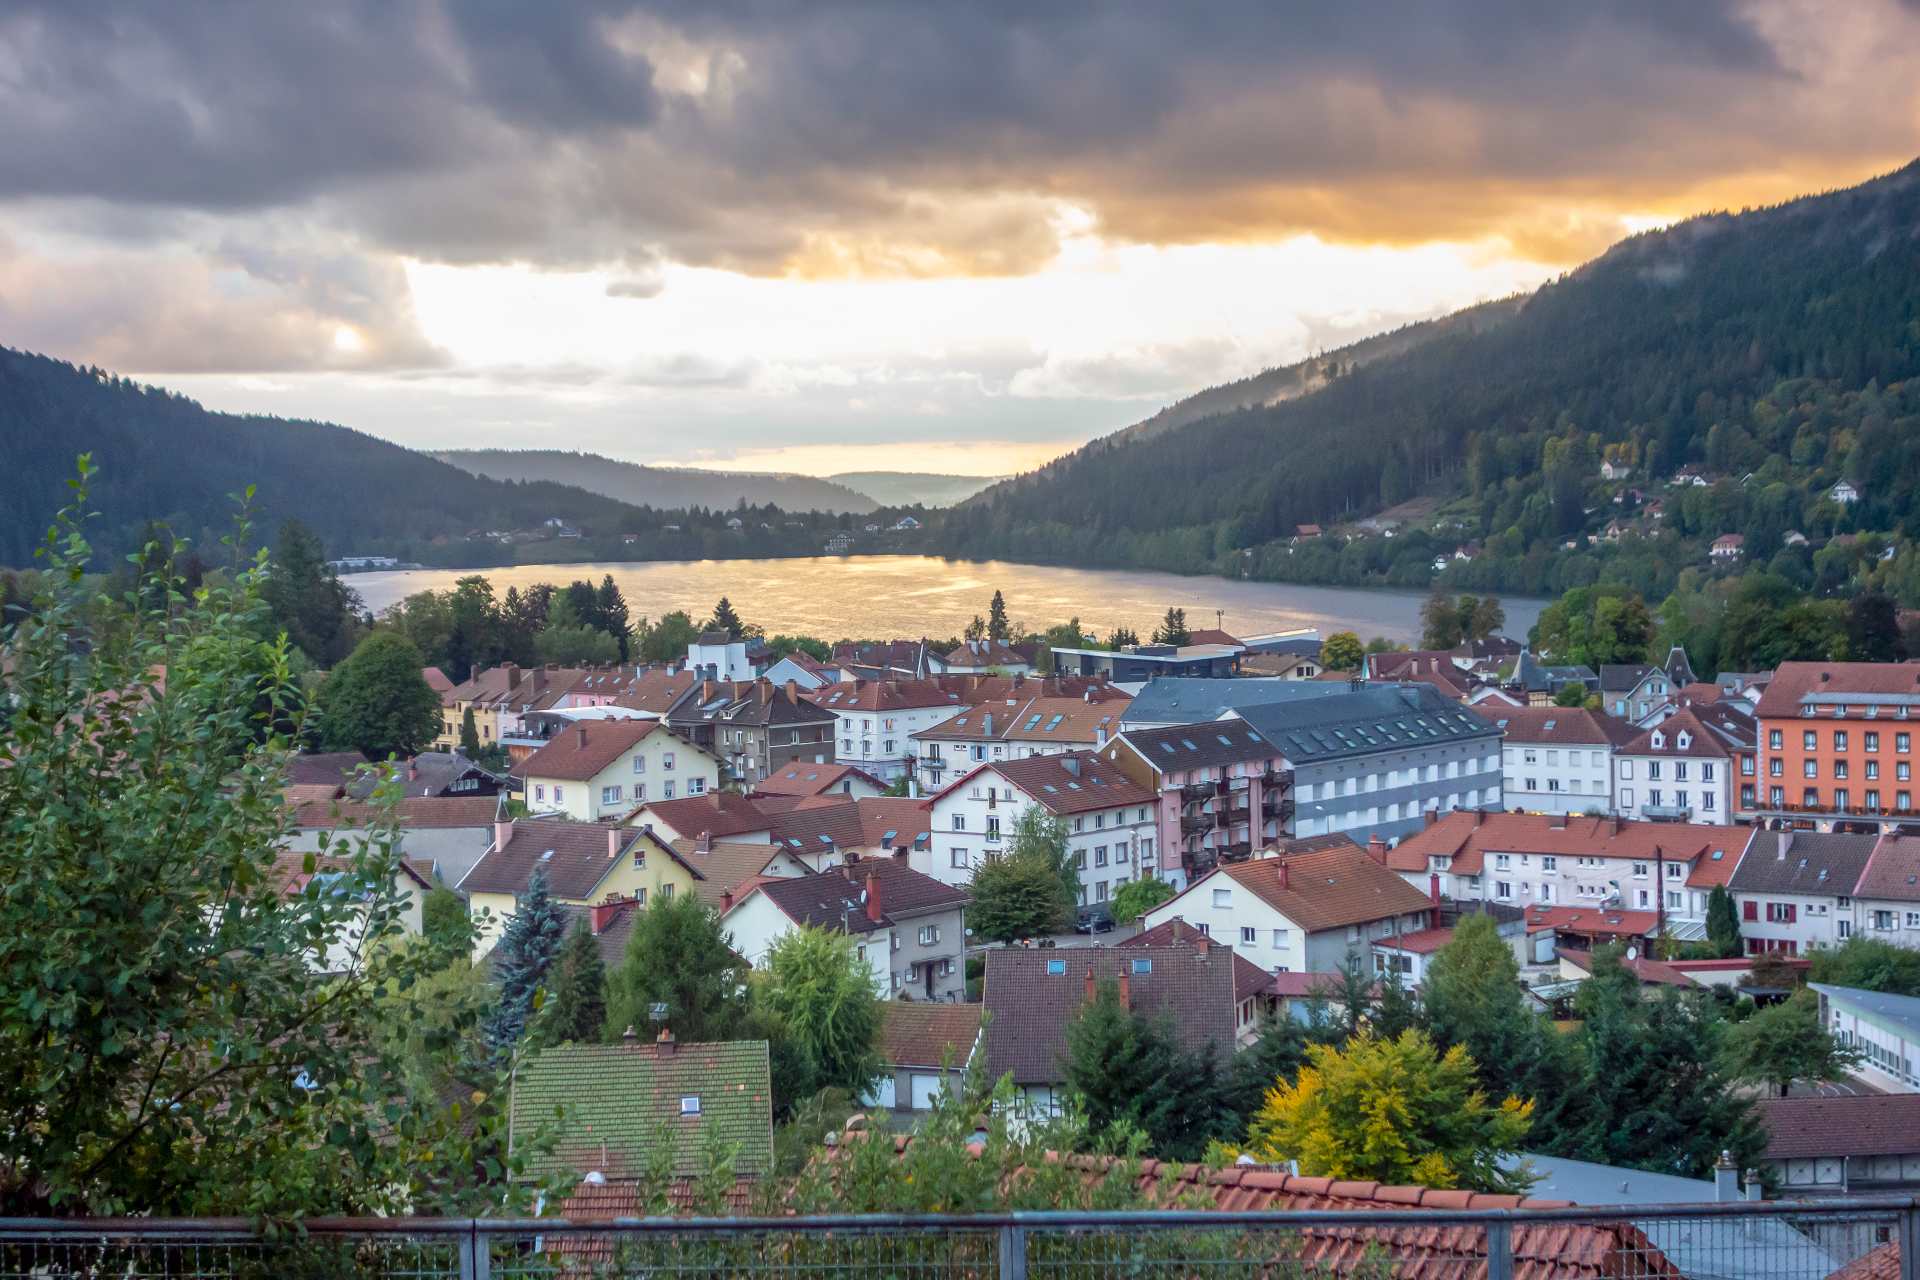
(1056, 967)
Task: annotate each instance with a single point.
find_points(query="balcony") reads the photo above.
(1271, 777)
(1197, 791)
(1239, 815)
(1277, 806)
(1842, 1234)
(1192, 822)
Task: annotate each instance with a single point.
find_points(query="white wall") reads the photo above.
(1558, 779)
(661, 767)
(880, 741)
(1705, 786)
(1128, 834)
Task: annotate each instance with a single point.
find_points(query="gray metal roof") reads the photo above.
(1815, 862)
(1365, 722)
(1193, 699)
(1903, 1010)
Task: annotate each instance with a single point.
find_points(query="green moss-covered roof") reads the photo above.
(613, 1101)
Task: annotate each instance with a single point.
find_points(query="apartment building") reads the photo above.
(1220, 792)
(1302, 912)
(1794, 890)
(1015, 728)
(875, 720)
(1112, 830)
(1524, 860)
(1557, 759)
(607, 768)
(1686, 766)
(1375, 760)
(754, 727)
(1836, 743)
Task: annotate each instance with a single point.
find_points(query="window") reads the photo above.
(1100, 892)
(559, 794)
(1883, 920)
(1079, 859)
(666, 760)
(1773, 739)
(1626, 797)
(1279, 939)
(929, 934)
(1653, 798)
(1840, 798)
(1502, 890)
(1839, 739)
(1549, 863)
(1840, 770)
(1653, 769)
(1626, 768)
(639, 764)
(1223, 897)
(1901, 742)
(1809, 741)
(1248, 936)
(1903, 771)
(1750, 911)
(1639, 871)
(957, 857)
(666, 791)
(1643, 898)
(1099, 855)
(690, 1104)
(1809, 769)
(1776, 796)
(1143, 966)
(1680, 771)
(610, 795)
(959, 822)
(1872, 742)
(540, 791)
(1099, 821)
(1501, 861)
(1780, 913)
(1079, 824)
(1706, 801)
(1773, 767)
(1546, 892)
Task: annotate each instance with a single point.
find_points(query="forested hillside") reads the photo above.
(1771, 350)
(668, 488)
(914, 488)
(163, 457)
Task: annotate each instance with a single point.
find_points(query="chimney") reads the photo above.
(1433, 889)
(663, 1046)
(603, 916)
(413, 771)
(986, 724)
(613, 841)
(1429, 816)
(580, 732)
(703, 843)
(502, 832)
(713, 799)
(1377, 849)
(1280, 869)
(706, 691)
(793, 691)
(1726, 1179)
(1089, 986)
(1126, 990)
(1755, 1191)
(1071, 764)
(629, 1036)
(1618, 824)
(513, 675)
(1782, 845)
(873, 897)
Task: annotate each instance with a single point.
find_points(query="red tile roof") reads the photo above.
(1076, 782)
(1893, 872)
(1593, 921)
(813, 780)
(418, 812)
(1702, 742)
(1822, 683)
(1560, 726)
(656, 691)
(1324, 889)
(1249, 979)
(1861, 1125)
(1422, 942)
(718, 814)
(1881, 1264)
(437, 681)
(580, 752)
(883, 695)
(1467, 837)
(918, 1033)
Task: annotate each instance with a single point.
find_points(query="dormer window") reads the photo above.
(1684, 739)
(1659, 741)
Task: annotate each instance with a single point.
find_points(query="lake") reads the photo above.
(876, 597)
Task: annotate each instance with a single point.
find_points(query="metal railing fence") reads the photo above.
(1860, 1238)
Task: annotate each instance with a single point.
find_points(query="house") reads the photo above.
(1032, 996)
(437, 773)
(1438, 667)
(908, 928)
(1683, 768)
(1887, 898)
(825, 831)
(1633, 691)
(616, 1101)
(332, 876)
(1149, 661)
(799, 781)
(323, 775)
(716, 655)
(983, 656)
(1110, 819)
(1793, 538)
(904, 523)
(717, 815)
(1217, 791)
(444, 834)
(894, 659)
(1527, 860)
(584, 863)
(1611, 470)
(1855, 1144)
(1728, 546)
(1405, 957)
(802, 670)
(924, 1052)
(1373, 760)
(1281, 666)
(1844, 493)
(839, 544)
(1541, 683)
(1836, 744)
(876, 720)
(1314, 911)
(1557, 759)
(1690, 476)
(754, 727)
(1257, 992)
(1794, 890)
(437, 681)
(1884, 1028)
(1303, 532)
(1013, 729)
(724, 870)
(606, 768)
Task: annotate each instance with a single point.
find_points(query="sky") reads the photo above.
(841, 235)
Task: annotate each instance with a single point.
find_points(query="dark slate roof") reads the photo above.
(1537, 677)
(1803, 862)
(831, 899)
(1029, 1006)
(331, 768)
(1190, 699)
(575, 855)
(1200, 746)
(611, 1100)
(1365, 721)
(1621, 677)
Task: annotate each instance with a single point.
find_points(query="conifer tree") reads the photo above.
(997, 626)
(469, 735)
(725, 619)
(577, 1010)
(1173, 628)
(523, 960)
(1723, 922)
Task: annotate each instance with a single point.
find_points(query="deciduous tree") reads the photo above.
(1785, 1042)
(678, 957)
(1868, 963)
(823, 994)
(377, 702)
(1341, 651)
(1137, 897)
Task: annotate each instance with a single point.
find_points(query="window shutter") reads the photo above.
(1749, 911)
(1791, 909)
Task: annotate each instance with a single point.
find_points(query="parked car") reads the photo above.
(1097, 918)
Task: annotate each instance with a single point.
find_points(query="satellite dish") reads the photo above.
(1633, 953)
(863, 897)
(657, 1013)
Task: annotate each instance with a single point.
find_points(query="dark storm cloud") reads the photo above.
(917, 138)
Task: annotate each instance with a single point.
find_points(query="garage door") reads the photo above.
(881, 1095)
(925, 1090)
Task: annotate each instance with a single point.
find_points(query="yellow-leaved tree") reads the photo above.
(1395, 1111)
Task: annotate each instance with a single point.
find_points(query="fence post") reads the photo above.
(1907, 1231)
(1499, 1249)
(476, 1255)
(1013, 1252)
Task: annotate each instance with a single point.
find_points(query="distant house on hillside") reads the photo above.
(1728, 546)
(1844, 494)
